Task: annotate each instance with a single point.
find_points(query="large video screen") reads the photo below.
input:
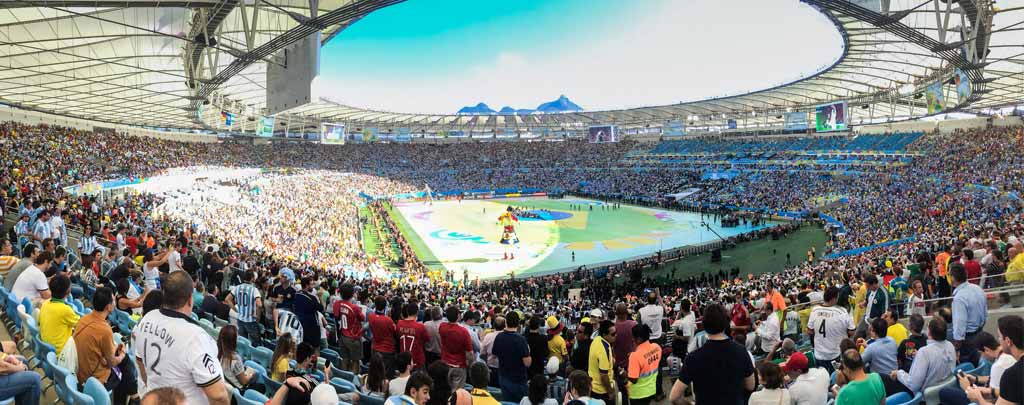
(332, 133)
(830, 117)
(265, 127)
(796, 121)
(603, 133)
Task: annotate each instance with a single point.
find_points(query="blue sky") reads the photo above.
(435, 56)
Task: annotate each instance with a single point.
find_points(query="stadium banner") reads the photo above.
(674, 128)
(602, 134)
(933, 95)
(265, 127)
(226, 118)
(731, 124)
(332, 133)
(963, 87)
(98, 186)
(404, 135)
(830, 117)
(795, 121)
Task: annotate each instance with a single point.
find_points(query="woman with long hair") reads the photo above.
(282, 353)
(235, 371)
(441, 391)
(375, 382)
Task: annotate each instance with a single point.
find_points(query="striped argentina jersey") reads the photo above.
(829, 325)
(245, 301)
(287, 322)
(176, 352)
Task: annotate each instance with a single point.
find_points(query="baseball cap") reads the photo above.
(597, 313)
(796, 362)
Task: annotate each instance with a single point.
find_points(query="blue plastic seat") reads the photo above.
(272, 386)
(262, 356)
(256, 396)
(343, 386)
(332, 357)
(72, 395)
(370, 400)
(243, 347)
(95, 390)
(261, 373)
(241, 400)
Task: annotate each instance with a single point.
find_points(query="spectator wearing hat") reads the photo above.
(556, 384)
(809, 386)
(556, 343)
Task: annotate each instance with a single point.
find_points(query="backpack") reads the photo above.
(68, 357)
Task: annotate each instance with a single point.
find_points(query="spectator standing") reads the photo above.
(828, 325)
(412, 336)
(643, 371)
(875, 304)
(514, 358)
(456, 347)
(970, 311)
(538, 344)
(383, 329)
(98, 355)
(720, 371)
(248, 305)
(308, 309)
(769, 329)
(175, 351)
(350, 328)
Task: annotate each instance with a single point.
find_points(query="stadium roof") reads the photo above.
(152, 63)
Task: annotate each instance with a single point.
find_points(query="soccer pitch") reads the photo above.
(464, 236)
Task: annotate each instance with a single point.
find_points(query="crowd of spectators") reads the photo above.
(279, 277)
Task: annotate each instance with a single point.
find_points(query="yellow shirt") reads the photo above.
(897, 332)
(1015, 270)
(280, 369)
(556, 348)
(805, 315)
(860, 297)
(600, 362)
(56, 322)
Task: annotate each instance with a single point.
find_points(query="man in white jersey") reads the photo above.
(174, 258)
(828, 325)
(248, 305)
(173, 351)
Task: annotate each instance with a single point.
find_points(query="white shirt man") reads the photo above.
(177, 353)
(174, 261)
(652, 314)
(32, 283)
(769, 331)
(829, 325)
(58, 230)
(686, 326)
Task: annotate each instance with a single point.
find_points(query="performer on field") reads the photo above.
(508, 232)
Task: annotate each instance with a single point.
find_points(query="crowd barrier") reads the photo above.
(478, 194)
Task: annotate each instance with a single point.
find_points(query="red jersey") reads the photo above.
(973, 271)
(412, 336)
(740, 317)
(455, 342)
(350, 319)
(383, 329)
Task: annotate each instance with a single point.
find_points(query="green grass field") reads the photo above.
(464, 236)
